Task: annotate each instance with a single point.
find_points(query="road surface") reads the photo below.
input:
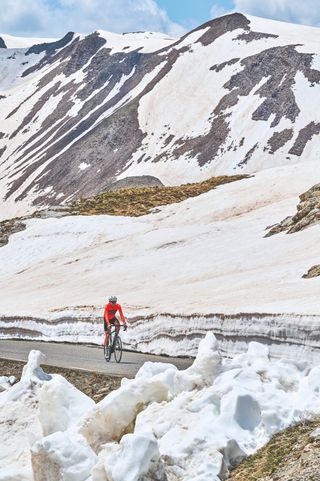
(78, 356)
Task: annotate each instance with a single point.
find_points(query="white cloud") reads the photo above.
(296, 11)
(218, 10)
(56, 17)
(306, 12)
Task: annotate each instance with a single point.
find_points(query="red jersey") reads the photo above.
(110, 312)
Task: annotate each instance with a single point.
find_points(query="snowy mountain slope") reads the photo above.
(236, 94)
(203, 264)
(12, 42)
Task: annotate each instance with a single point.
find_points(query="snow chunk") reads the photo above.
(61, 405)
(115, 415)
(84, 166)
(32, 369)
(62, 452)
(6, 382)
(32, 377)
(134, 457)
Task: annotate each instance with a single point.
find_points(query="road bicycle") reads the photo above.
(114, 346)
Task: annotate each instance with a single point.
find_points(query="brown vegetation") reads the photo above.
(139, 201)
(290, 455)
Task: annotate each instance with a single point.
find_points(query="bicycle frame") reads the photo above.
(114, 345)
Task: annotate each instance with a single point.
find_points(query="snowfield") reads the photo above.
(203, 264)
(165, 424)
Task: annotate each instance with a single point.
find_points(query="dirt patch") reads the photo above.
(94, 385)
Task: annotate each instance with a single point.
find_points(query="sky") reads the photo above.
(53, 18)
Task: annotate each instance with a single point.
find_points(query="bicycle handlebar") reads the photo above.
(118, 327)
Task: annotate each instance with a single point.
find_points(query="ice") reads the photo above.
(116, 414)
(132, 459)
(165, 424)
(60, 405)
(37, 405)
(6, 382)
(64, 454)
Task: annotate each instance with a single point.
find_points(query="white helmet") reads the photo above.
(113, 299)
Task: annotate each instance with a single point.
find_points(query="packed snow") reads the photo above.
(164, 424)
(56, 275)
(13, 42)
(145, 42)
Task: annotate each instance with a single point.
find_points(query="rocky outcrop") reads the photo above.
(51, 47)
(2, 43)
(312, 272)
(9, 227)
(308, 214)
(278, 140)
(135, 181)
(291, 455)
(303, 138)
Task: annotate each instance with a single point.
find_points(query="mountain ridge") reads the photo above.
(82, 110)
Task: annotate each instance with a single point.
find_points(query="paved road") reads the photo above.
(86, 357)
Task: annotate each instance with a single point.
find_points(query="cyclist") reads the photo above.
(109, 317)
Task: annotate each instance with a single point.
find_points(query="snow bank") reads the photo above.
(165, 424)
(206, 258)
(37, 405)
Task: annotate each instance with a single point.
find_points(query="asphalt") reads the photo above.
(85, 357)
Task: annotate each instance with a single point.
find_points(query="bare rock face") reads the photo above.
(303, 138)
(2, 43)
(51, 47)
(308, 214)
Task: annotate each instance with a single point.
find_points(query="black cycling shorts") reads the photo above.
(114, 320)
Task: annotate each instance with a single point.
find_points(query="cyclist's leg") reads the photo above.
(117, 325)
(113, 322)
(106, 333)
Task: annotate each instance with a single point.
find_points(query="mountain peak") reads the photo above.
(219, 26)
(227, 23)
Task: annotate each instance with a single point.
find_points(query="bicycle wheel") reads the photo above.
(117, 349)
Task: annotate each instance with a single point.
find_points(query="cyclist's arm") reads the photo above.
(122, 316)
(106, 317)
